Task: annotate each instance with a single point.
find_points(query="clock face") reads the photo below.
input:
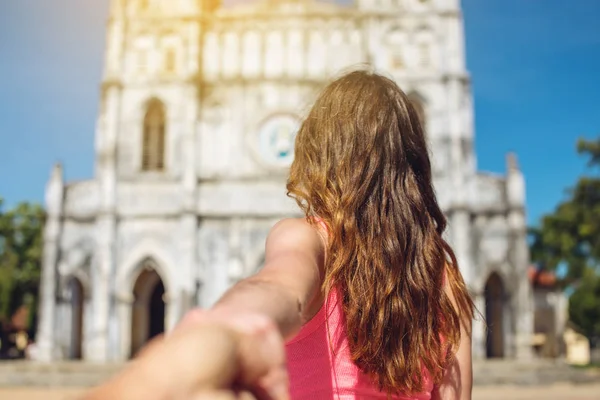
(276, 140)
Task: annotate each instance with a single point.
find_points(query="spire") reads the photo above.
(511, 162)
(54, 190)
(515, 182)
(57, 173)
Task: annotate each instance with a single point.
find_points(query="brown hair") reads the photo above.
(362, 165)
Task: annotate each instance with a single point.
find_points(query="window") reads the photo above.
(153, 144)
(424, 55)
(397, 47)
(142, 62)
(397, 60)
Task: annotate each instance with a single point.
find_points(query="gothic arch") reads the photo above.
(151, 257)
(79, 271)
(77, 296)
(154, 136)
(130, 268)
(148, 309)
(495, 315)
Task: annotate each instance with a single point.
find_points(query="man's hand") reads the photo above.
(209, 356)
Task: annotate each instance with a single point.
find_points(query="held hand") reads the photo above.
(209, 356)
(261, 360)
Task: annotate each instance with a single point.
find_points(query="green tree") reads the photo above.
(570, 237)
(20, 256)
(584, 306)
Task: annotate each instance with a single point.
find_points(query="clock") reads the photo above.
(276, 137)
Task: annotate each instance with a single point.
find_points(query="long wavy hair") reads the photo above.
(362, 166)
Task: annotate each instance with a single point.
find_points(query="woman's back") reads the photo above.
(320, 366)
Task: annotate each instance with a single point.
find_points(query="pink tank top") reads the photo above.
(319, 362)
(320, 366)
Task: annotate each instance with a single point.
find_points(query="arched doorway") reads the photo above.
(148, 314)
(77, 298)
(494, 315)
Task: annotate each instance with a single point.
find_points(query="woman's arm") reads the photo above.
(457, 382)
(287, 288)
(202, 361)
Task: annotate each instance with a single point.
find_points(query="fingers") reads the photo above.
(261, 351)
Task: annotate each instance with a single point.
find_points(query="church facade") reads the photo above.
(198, 110)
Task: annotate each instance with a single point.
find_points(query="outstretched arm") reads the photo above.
(201, 361)
(287, 289)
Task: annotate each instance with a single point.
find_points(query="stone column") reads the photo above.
(185, 289)
(459, 212)
(173, 310)
(217, 274)
(88, 320)
(479, 336)
(124, 307)
(104, 261)
(98, 350)
(460, 221)
(519, 255)
(48, 283)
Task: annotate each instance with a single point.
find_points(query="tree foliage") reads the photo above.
(20, 256)
(584, 307)
(570, 237)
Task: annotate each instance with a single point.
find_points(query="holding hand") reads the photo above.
(209, 356)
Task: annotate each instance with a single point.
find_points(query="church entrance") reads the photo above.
(494, 315)
(77, 298)
(148, 314)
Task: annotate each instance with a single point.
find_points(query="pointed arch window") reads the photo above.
(397, 46)
(424, 55)
(153, 145)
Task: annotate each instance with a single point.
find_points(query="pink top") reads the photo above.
(320, 366)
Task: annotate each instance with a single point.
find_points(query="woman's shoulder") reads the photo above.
(298, 226)
(298, 231)
(291, 223)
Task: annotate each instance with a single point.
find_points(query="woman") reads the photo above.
(364, 289)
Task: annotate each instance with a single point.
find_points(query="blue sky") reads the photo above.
(535, 66)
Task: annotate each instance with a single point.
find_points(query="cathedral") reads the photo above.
(199, 105)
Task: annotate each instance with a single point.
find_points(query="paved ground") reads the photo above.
(554, 392)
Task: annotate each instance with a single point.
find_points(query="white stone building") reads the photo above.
(198, 109)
